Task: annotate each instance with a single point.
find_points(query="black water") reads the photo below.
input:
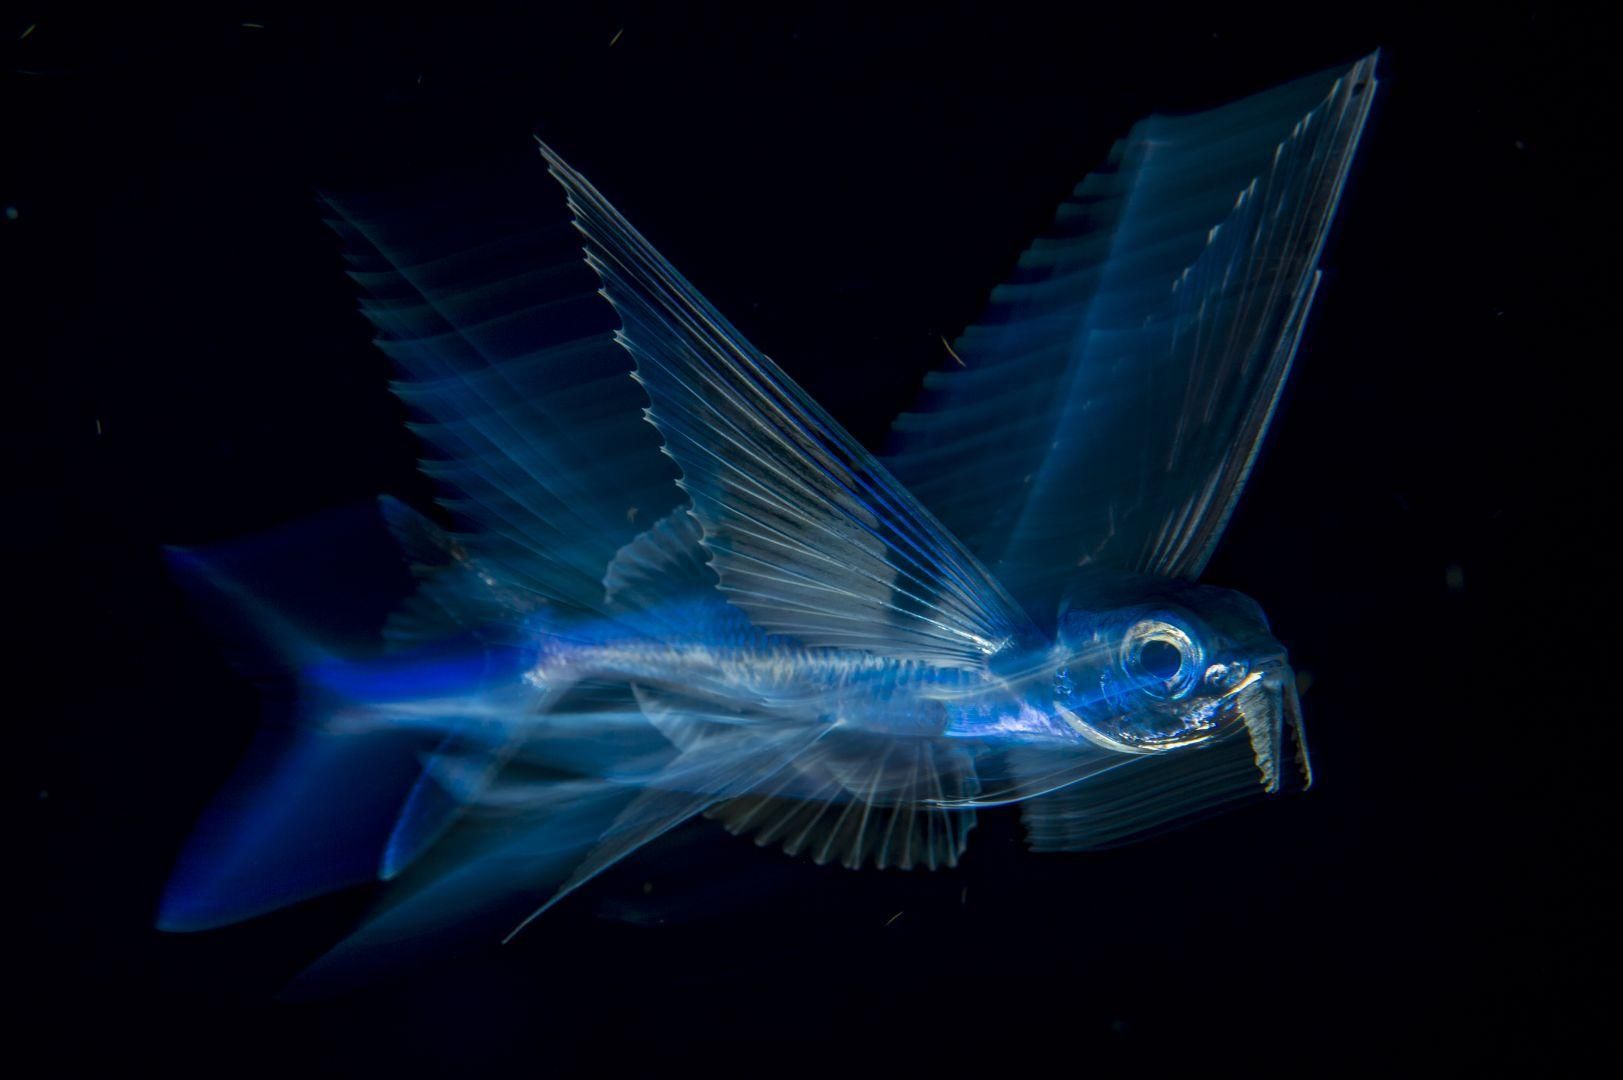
(184, 364)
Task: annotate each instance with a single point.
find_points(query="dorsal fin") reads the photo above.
(660, 582)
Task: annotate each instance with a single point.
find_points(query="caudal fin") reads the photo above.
(317, 802)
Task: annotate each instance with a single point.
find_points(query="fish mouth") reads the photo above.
(1095, 736)
(1265, 701)
(1232, 702)
(1271, 708)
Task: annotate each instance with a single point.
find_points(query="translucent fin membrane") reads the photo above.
(719, 761)
(1119, 384)
(311, 807)
(857, 799)
(660, 583)
(735, 610)
(1142, 796)
(808, 533)
(506, 355)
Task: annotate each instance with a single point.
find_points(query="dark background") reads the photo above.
(184, 363)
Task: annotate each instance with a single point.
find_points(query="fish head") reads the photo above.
(1174, 667)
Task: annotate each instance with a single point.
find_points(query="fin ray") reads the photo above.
(807, 532)
(862, 799)
(1143, 344)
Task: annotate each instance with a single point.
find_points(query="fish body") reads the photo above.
(673, 585)
(1046, 694)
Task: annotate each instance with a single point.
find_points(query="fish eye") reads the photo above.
(1161, 657)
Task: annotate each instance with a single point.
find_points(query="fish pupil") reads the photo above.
(1160, 659)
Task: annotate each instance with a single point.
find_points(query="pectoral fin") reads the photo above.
(721, 761)
(856, 798)
(1142, 795)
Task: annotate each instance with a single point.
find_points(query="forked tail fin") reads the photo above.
(334, 789)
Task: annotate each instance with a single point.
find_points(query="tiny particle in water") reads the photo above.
(1119, 1027)
(1520, 145)
(893, 918)
(963, 895)
(1304, 681)
(253, 26)
(616, 36)
(98, 425)
(951, 352)
(647, 887)
(1454, 577)
(24, 35)
(631, 514)
(11, 213)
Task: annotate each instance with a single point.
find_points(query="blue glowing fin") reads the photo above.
(721, 759)
(267, 600)
(456, 595)
(660, 584)
(859, 799)
(1114, 395)
(309, 809)
(429, 811)
(505, 355)
(472, 887)
(1132, 798)
(306, 814)
(808, 533)
(455, 600)
(1140, 796)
